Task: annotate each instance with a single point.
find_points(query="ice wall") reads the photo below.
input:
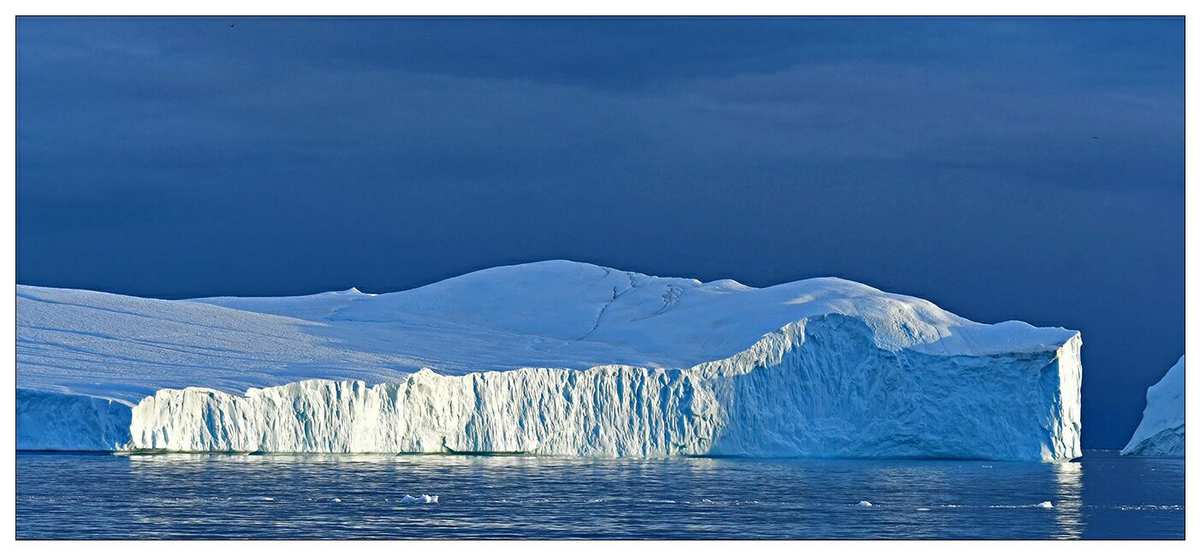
(820, 387)
(55, 421)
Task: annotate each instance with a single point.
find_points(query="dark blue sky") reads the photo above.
(1024, 169)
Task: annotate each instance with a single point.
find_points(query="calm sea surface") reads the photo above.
(66, 495)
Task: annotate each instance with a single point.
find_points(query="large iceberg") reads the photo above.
(1161, 432)
(552, 357)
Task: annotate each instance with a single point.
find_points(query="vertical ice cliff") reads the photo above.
(54, 421)
(816, 388)
(1161, 432)
(553, 357)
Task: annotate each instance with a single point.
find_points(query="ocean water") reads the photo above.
(79, 495)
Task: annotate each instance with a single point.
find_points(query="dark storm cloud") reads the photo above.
(1006, 168)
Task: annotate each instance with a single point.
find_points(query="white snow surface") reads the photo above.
(1161, 432)
(555, 357)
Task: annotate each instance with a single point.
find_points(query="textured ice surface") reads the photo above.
(562, 358)
(54, 421)
(1161, 432)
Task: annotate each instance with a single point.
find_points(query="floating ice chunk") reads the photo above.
(865, 504)
(1042, 505)
(425, 499)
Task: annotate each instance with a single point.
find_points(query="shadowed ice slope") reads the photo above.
(1161, 432)
(561, 357)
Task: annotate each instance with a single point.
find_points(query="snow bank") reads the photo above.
(1161, 432)
(562, 358)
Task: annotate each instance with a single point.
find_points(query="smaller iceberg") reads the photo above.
(1161, 432)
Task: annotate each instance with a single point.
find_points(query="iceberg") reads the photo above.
(1161, 431)
(556, 358)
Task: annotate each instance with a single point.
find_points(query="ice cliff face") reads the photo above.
(815, 388)
(1161, 432)
(54, 421)
(557, 358)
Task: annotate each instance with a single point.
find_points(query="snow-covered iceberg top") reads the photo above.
(1161, 432)
(818, 367)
